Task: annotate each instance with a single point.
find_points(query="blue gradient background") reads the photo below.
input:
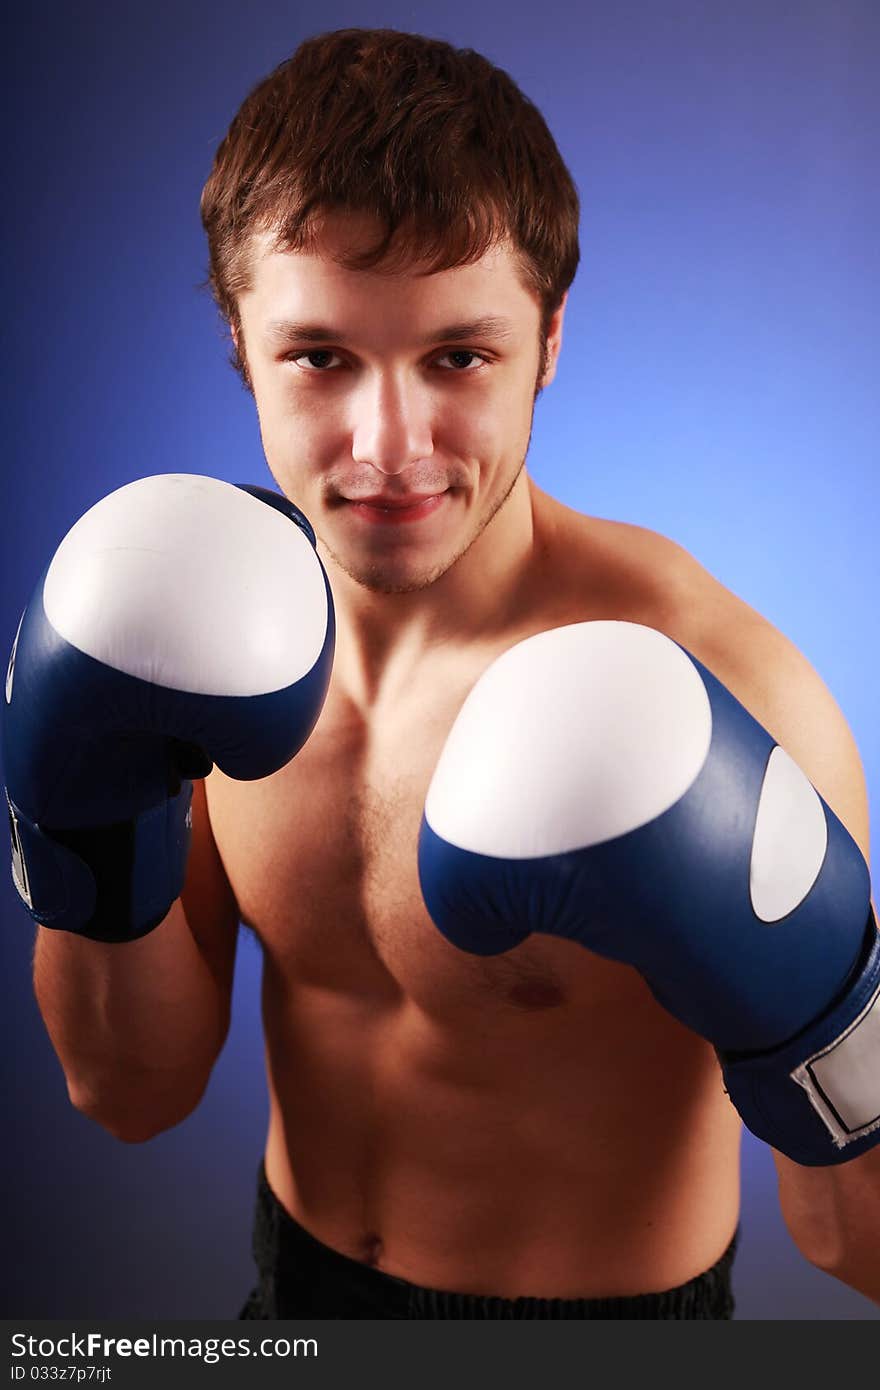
(718, 383)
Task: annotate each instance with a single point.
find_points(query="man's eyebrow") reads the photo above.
(490, 326)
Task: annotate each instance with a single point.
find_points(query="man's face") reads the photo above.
(388, 387)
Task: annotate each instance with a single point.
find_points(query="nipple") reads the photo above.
(536, 994)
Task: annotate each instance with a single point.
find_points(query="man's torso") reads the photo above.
(529, 1124)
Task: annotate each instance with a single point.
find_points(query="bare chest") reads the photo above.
(322, 858)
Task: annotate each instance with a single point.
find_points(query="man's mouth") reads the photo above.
(392, 510)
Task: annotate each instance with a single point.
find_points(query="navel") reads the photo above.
(372, 1248)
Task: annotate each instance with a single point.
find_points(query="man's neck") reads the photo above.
(383, 639)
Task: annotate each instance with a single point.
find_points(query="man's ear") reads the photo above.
(554, 342)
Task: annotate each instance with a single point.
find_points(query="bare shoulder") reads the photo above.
(609, 568)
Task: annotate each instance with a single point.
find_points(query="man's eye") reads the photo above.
(315, 352)
(461, 352)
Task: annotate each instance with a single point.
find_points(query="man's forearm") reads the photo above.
(833, 1216)
(136, 1026)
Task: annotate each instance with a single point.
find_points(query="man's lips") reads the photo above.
(394, 509)
(391, 499)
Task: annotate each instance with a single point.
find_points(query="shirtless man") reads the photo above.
(449, 1132)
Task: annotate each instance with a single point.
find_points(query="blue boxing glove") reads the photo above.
(183, 621)
(601, 784)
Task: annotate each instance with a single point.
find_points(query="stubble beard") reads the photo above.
(374, 577)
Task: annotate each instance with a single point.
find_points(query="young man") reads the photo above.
(452, 1133)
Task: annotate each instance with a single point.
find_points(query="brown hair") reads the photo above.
(437, 143)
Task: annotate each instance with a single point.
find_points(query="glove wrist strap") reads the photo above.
(817, 1098)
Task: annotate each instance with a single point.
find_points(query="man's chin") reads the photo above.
(379, 578)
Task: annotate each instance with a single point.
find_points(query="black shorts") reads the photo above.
(300, 1277)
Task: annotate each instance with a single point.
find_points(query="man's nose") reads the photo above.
(392, 424)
